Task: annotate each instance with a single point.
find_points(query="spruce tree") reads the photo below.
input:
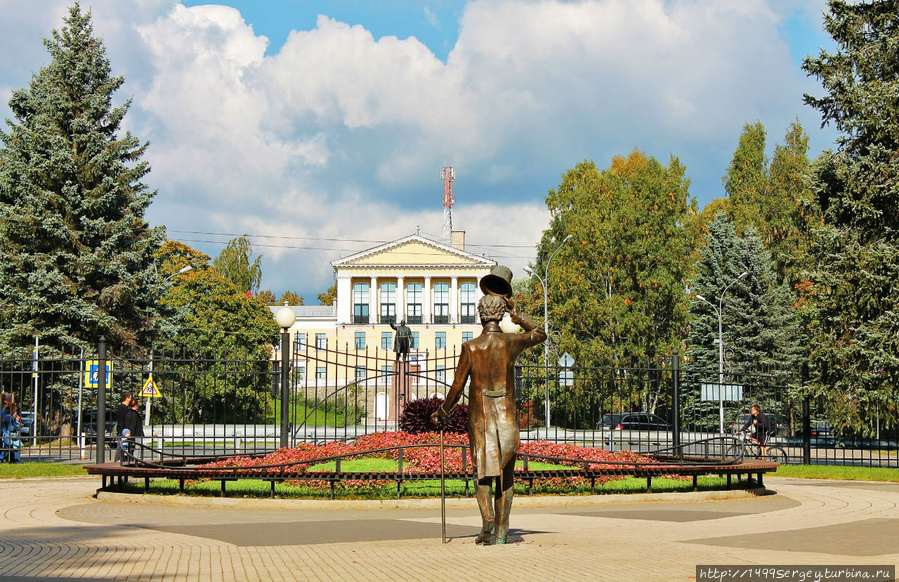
(76, 255)
(853, 287)
(720, 264)
(759, 323)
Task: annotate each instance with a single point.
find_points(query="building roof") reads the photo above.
(307, 311)
(413, 251)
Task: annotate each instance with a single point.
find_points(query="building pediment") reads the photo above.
(413, 251)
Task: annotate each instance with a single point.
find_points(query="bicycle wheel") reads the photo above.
(776, 454)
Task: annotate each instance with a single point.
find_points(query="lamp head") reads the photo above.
(285, 317)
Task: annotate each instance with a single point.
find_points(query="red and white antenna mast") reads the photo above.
(448, 176)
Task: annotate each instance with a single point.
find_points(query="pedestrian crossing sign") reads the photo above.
(92, 374)
(150, 389)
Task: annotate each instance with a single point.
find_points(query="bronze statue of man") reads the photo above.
(402, 341)
(489, 362)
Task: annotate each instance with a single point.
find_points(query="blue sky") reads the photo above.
(436, 24)
(320, 128)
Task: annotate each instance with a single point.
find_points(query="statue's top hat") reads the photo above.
(498, 282)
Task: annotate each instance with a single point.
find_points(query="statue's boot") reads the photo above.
(487, 517)
(503, 508)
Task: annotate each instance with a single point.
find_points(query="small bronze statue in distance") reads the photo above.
(402, 341)
(489, 361)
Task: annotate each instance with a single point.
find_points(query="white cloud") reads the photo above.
(341, 136)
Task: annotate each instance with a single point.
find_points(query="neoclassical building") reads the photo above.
(429, 284)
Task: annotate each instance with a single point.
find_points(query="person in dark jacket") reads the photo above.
(124, 407)
(761, 424)
(134, 424)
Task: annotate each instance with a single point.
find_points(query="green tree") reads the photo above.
(790, 211)
(759, 322)
(746, 181)
(291, 298)
(853, 288)
(214, 319)
(267, 297)
(774, 199)
(76, 255)
(616, 289)
(234, 264)
(720, 263)
(328, 297)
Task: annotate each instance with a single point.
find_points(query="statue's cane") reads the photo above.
(442, 490)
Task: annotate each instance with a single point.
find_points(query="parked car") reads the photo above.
(89, 426)
(821, 429)
(26, 424)
(632, 421)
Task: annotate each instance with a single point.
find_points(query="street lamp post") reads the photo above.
(718, 311)
(285, 317)
(180, 271)
(544, 282)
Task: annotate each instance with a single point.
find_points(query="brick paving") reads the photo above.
(55, 529)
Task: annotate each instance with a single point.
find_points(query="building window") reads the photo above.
(360, 302)
(440, 340)
(467, 336)
(441, 374)
(386, 338)
(360, 373)
(413, 303)
(321, 373)
(441, 303)
(388, 302)
(414, 345)
(321, 341)
(386, 374)
(360, 340)
(300, 372)
(467, 303)
(299, 341)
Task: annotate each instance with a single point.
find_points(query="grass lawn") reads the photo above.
(25, 470)
(431, 487)
(839, 472)
(317, 417)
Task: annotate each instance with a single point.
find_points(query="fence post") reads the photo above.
(806, 419)
(675, 383)
(101, 400)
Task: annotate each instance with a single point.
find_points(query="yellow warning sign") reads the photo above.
(150, 390)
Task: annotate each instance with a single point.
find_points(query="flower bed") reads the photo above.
(426, 459)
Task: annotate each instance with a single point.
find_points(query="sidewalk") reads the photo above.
(56, 529)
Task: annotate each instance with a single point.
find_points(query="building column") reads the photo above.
(454, 299)
(400, 298)
(373, 301)
(426, 301)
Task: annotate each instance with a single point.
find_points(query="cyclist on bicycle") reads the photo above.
(760, 424)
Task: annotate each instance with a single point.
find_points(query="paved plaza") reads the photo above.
(56, 529)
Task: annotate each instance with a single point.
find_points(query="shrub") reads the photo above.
(416, 416)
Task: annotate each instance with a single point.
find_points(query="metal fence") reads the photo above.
(227, 405)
